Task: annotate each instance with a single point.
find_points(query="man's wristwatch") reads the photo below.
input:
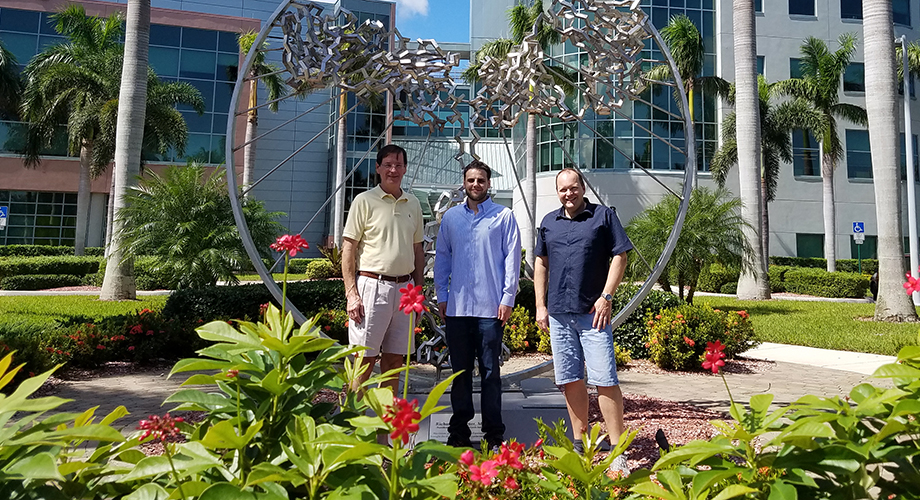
(607, 297)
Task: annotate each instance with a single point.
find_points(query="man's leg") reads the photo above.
(576, 401)
(493, 428)
(390, 361)
(461, 342)
(610, 399)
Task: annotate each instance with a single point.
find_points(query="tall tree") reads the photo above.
(118, 283)
(523, 19)
(753, 283)
(892, 304)
(10, 84)
(819, 87)
(267, 73)
(776, 126)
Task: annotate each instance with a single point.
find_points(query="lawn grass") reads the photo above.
(277, 276)
(47, 308)
(829, 325)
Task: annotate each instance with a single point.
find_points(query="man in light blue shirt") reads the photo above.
(476, 269)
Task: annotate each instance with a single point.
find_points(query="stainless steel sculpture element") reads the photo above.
(321, 49)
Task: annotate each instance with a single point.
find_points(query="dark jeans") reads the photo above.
(472, 339)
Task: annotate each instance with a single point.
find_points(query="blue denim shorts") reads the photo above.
(576, 343)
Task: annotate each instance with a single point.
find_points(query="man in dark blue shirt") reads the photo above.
(581, 257)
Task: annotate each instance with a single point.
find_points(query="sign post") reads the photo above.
(859, 236)
(4, 215)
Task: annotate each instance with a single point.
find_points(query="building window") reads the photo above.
(850, 9)
(760, 65)
(806, 154)
(868, 250)
(900, 10)
(916, 155)
(802, 7)
(37, 218)
(854, 78)
(809, 245)
(795, 68)
(859, 157)
(913, 92)
(758, 5)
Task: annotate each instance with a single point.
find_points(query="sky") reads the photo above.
(443, 20)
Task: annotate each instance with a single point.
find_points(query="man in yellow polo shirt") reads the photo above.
(381, 253)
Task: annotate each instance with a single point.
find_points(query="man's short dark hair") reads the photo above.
(478, 165)
(391, 149)
(581, 178)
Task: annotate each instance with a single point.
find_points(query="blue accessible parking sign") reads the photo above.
(859, 227)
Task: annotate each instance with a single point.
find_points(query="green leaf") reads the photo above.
(695, 451)
(760, 403)
(705, 479)
(780, 490)
(148, 467)
(192, 489)
(570, 463)
(227, 491)
(352, 492)
(806, 429)
(39, 466)
(273, 383)
(224, 435)
(197, 364)
(131, 456)
(197, 397)
(220, 331)
(653, 490)
(906, 407)
(149, 491)
(861, 392)
(734, 490)
(909, 353)
(444, 485)
(114, 415)
(71, 467)
(895, 370)
(436, 394)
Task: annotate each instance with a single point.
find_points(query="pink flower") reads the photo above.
(484, 473)
(404, 417)
(714, 356)
(412, 300)
(467, 458)
(912, 285)
(290, 244)
(100, 346)
(510, 483)
(130, 347)
(159, 427)
(689, 341)
(743, 314)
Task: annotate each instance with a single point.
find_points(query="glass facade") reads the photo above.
(613, 142)
(802, 7)
(854, 78)
(859, 155)
(806, 154)
(39, 218)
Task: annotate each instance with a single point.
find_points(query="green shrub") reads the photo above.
(526, 297)
(632, 334)
(25, 338)
(678, 336)
(869, 266)
(623, 356)
(45, 250)
(321, 269)
(39, 281)
(334, 324)
(777, 276)
(729, 288)
(79, 266)
(824, 284)
(295, 266)
(148, 274)
(520, 333)
(714, 277)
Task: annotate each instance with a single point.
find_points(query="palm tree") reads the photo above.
(753, 284)
(77, 83)
(10, 84)
(118, 283)
(183, 217)
(819, 87)
(776, 125)
(712, 232)
(523, 20)
(892, 304)
(685, 43)
(268, 74)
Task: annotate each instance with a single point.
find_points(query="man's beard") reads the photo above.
(482, 196)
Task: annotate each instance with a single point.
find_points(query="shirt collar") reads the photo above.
(484, 205)
(383, 194)
(586, 213)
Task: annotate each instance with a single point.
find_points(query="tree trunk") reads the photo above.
(528, 229)
(252, 127)
(110, 217)
(892, 304)
(341, 149)
(752, 284)
(83, 197)
(118, 283)
(830, 211)
(765, 226)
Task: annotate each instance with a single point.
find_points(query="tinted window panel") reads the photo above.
(165, 61)
(851, 9)
(165, 35)
(199, 39)
(19, 20)
(198, 64)
(802, 7)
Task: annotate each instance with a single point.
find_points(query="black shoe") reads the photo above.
(494, 445)
(458, 442)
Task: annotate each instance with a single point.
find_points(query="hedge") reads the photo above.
(321, 269)
(40, 281)
(45, 250)
(79, 266)
(714, 277)
(824, 284)
(869, 266)
(777, 275)
(146, 275)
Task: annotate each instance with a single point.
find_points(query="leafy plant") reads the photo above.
(520, 331)
(677, 336)
(632, 334)
(334, 256)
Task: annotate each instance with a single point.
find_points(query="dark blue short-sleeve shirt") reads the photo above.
(579, 252)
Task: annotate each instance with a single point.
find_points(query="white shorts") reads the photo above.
(385, 328)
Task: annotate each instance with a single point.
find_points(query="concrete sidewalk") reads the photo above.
(857, 362)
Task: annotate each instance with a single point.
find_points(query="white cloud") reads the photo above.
(407, 8)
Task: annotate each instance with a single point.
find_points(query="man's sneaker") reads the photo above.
(618, 468)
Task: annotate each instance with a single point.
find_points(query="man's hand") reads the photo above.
(355, 306)
(442, 311)
(504, 313)
(542, 319)
(601, 312)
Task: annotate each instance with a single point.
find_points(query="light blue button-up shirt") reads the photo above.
(477, 260)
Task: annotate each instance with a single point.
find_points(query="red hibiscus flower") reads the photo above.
(485, 472)
(912, 285)
(404, 417)
(412, 300)
(714, 356)
(290, 244)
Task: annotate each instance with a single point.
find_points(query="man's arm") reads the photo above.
(442, 267)
(418, 275)
(354, 305)
(540, 273)
(512, 267)
(602, 307)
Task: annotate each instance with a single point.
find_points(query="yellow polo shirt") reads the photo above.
(386, 230)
